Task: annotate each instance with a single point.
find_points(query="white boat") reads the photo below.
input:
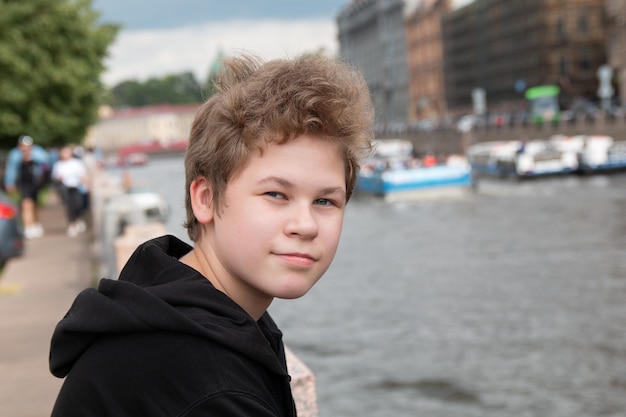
(600, 153)
(394, 171)
(522, 159)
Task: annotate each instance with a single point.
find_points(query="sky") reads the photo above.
(160, 37)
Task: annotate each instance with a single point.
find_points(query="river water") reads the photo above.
(507, 302)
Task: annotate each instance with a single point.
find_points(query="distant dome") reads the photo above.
(217, 64)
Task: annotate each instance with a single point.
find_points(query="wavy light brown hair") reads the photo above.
(258, 103)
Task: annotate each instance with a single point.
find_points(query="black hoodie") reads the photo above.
(163, 341)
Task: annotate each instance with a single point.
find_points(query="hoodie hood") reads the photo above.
(156, 292)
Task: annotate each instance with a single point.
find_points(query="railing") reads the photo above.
(449, 140)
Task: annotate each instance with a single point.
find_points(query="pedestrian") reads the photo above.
(271, 162)
(26, 173)
(71, 175)
(92, 159)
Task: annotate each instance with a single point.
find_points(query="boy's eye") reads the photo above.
(275, 194)
(324, 202)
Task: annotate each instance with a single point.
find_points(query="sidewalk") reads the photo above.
(36, 291)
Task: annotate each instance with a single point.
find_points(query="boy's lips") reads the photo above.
(298, 259)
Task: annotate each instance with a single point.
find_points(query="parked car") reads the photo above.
(11, 231)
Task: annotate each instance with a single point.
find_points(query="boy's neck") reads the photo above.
(247, 301)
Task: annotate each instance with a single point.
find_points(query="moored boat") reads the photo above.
(395, 172)
(600, 153)
(522, 159)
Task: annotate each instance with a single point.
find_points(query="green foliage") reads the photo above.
(51, 59)
(181, 88)
(170, 89)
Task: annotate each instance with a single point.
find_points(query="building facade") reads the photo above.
(425, 60)
(161, 124)
(372, 37)
(506, 46)
(616, 48)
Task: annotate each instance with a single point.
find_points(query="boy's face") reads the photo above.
(280, 222)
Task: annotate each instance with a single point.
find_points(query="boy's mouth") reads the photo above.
(297, 259)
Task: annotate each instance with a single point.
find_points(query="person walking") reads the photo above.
(71, 176)
(26, 173)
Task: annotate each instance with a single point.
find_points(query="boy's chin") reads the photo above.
(291, 293)
(291, 296)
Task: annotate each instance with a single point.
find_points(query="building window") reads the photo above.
(563, 66)
(560, 28)
(582, 22)
(585, 64)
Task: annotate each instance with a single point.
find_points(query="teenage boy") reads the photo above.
(271, 162)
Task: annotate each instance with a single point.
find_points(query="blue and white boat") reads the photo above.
(394, 171)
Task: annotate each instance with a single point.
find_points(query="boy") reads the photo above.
(270, 165)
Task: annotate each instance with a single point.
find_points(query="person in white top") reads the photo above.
(72, 176)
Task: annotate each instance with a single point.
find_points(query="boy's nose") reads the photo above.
(302, 222)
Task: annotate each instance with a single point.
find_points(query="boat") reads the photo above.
(393, 172)
(493, 158)
(522, 158)
(136, 159)
(601, 153)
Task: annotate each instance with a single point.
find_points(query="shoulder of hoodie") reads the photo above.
(177, 369)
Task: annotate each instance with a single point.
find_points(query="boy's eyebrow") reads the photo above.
(287, 184)
(280, 181)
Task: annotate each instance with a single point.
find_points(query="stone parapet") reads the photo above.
(133, 236)
(302, 386)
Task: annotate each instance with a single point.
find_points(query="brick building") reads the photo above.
(425, 60)
(505, 46)
(616, 16)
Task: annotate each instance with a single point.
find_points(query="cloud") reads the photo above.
(142, 54)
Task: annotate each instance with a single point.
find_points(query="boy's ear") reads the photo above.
(201, 195)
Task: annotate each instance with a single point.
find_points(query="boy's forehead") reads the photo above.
(304, 141)
(303, 149)
(270, 148)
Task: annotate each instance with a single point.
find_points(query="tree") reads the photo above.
(51, 59)
(127, 94)
(171, 89)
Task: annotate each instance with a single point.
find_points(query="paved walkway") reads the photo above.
(36, 290)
